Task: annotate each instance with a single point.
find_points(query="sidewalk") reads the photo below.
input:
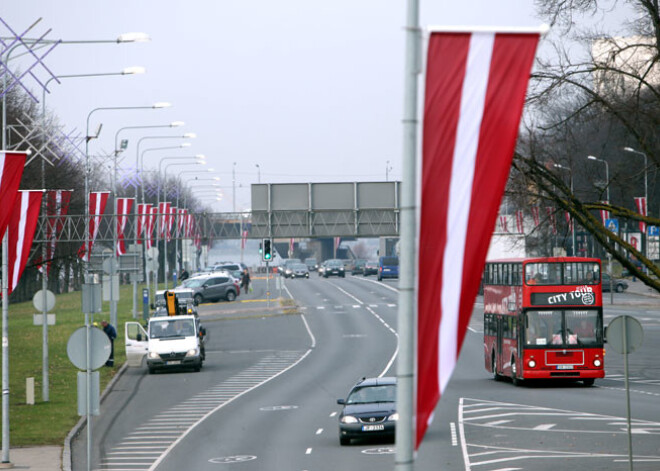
(637, 287)
(40, 458)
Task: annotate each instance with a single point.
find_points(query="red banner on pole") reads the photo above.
(11, 166)
(20, 233)
(124, 206)
(97, 202)
(475, 91)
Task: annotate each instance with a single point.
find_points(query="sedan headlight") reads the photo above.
(348, 419)
(394, 417)
(192, 352)
(154, 355)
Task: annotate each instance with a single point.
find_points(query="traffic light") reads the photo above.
(267, 253)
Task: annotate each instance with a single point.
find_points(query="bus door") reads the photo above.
(498, 343)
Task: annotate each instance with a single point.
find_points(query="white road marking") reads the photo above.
(454, 439)
(319, 431)
(308, 451)
(544, 427)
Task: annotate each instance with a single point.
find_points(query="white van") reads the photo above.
(171, 341)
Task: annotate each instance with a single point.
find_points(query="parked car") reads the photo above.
(370, 268)
(618, 284)
(296, 270)
(369, 410)
(312, 264)
(388, 267)
(334, 267)
(213, 288)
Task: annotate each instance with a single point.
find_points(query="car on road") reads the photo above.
(334, 267)
(369, 410)
(296, 270)
(213, 288)
(312, 264)
(358, 266)
(286, 263)
(370, 268)
(618, 284)
(388, 267)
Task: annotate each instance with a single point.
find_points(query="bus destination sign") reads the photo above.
(581, 296)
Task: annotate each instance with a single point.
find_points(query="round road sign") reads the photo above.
(76, 348)
(38, 300)
(634, 334)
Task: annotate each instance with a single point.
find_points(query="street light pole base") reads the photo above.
(7, 465)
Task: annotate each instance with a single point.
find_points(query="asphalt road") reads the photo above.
(266, 397)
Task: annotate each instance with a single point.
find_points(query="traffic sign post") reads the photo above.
(625, 335)
(44, 301)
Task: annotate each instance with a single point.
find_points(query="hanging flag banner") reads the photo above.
(550, 211)
(244, 239)
(536, 214)
(181, 222)
(604, 215)
(144, 210)
(503, 223)
(151, 223)
(171, 215)
(97, 202)
(520, 222)
(11, 166)
(124, 206)
(163, 213)
(20, 233)
(569, 222)
(475, 91)
(57, 207)
(640, 202)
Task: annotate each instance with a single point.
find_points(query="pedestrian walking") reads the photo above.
(245, 281)
(111, 332)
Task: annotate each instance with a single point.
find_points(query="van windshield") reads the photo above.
(170, 328)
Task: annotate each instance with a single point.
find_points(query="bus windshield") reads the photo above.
(562, 328)
(562, 273)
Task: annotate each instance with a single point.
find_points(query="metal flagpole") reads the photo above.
(404, 459)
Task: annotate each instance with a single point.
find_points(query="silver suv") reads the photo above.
(213, 288)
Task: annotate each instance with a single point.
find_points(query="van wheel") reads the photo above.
(344, 441)
(152, 370)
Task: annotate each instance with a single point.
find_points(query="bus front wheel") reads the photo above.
(514, 371)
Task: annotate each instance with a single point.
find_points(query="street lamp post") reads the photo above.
(258, 173)
(139, 164)
(199, 159)
(609, 255)
(87, 252)
(646, 187)
(173, 124)
(45, 389)
(570, 172)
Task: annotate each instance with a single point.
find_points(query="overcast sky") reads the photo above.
(309, 91)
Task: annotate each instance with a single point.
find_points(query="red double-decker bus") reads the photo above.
(543, 319)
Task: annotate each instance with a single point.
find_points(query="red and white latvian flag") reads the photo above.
(604, 215)
(11, 166)
(520, 222)
(20, 233)
(640, 202)
(97, 202)
(124, 206)
(149, 230)
(144, 210)
(57, 207)
(163, 211)
(475, 91)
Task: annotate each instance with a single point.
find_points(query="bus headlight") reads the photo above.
(531, 363)
(597, 362)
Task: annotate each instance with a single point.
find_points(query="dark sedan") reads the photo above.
(369, 410)
(334, 267)
(370, 268)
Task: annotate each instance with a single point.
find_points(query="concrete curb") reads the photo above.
(66, 451)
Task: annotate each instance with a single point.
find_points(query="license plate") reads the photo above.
(564, 367)
(373, 428)
(173, 362)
